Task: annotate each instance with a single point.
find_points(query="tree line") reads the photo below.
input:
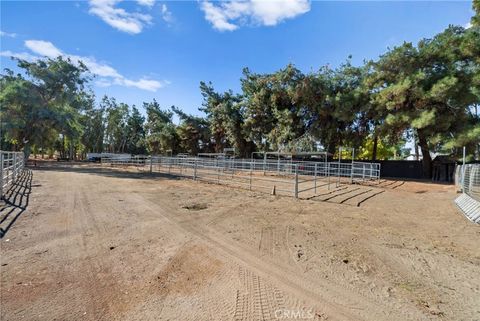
(428, 93)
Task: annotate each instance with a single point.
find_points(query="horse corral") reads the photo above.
(300, 179)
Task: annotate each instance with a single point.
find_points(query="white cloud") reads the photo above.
(217, 16)
(229, 16)
(166, 14)
(118, 18)
(109, 75)
(273, 12)
(102, 82)
(7, 34)
(143, 83)
(43, 48)
(95, 67)
(19, 55)
(146, 3)
(468, 25)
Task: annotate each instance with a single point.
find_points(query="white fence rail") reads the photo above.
(288, 177)
(467, 181)
(11, 166)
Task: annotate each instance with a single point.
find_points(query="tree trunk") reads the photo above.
(26, 151)
(415, 145)
(62, 152)
(331, 150)
(426, 159)
(375, 146)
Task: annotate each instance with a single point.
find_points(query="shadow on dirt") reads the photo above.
(15, 201)
(116, 172)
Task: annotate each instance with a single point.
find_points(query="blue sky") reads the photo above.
(146, 49)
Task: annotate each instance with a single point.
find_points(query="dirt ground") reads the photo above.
(85, 243)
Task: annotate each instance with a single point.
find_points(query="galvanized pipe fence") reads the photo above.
(11, 166)
(287, 177)
(467, 181)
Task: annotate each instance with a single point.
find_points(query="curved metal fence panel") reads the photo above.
(467, 181)
(11, 166)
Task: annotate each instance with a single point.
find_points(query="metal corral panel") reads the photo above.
(469, 207)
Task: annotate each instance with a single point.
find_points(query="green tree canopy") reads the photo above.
(43, 101)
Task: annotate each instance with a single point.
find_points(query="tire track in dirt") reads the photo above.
(273, 283)
(266, 245)
(260, 300)
(104, 297)
(116, 204)
(331, 300)
(401, 266)
(192, 285)
(100, 286)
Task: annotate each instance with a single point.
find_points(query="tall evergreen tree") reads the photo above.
(49, 96)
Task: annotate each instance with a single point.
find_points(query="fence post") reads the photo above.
(14, 166)
(315, 180)
(463, 169)
(471, 180)
(151, 164)
(352, 174)
(264, 164)
(250, 186)
(352, 169)
(296, 181)
(194, 169)
(328, 173)
(17, 165)
(339, 164)
(1, 175)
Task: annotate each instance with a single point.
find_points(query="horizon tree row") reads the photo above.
(428, 93)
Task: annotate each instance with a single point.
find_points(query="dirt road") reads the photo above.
(100, 244)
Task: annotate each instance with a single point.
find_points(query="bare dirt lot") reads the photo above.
(103, 244)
